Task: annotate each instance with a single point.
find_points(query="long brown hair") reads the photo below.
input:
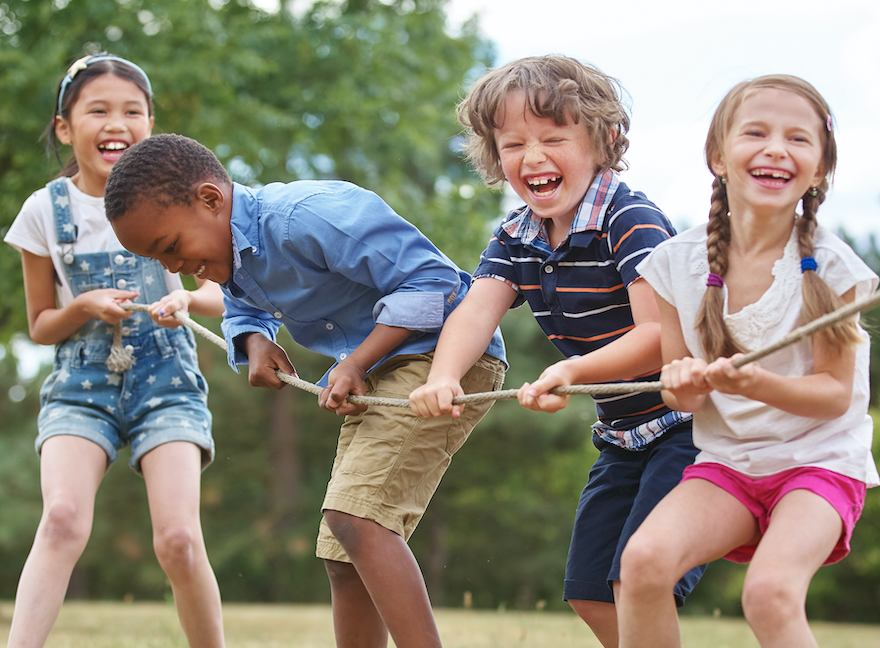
(818, 298)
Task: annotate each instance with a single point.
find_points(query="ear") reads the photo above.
(62, 130)
(718, 167)
(211, 196)
(820, 175)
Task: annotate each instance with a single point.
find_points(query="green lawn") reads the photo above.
(154, 625)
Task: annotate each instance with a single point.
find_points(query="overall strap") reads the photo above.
(64, 227)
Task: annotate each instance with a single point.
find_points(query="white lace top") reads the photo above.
(750, 436)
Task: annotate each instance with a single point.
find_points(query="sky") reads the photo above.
(678, 58)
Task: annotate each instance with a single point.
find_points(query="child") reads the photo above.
(352, 280)
(554, 129)
(785, 442)
(76, 275)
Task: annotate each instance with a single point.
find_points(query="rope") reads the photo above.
(817, 325)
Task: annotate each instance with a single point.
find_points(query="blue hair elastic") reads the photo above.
(808, 263)
(85, 62)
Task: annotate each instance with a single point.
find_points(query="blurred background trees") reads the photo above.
(364, 91)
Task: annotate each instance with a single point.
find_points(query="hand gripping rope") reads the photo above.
(799, 333)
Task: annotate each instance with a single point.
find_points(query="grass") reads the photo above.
(154, 625)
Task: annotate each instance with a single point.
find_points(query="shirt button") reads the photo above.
(126, 330)
(277, 314)
(119, 259)
(68, 258)
(329, 326)
(343, 356)
(121, 284)
(129, 348)
(548, 269)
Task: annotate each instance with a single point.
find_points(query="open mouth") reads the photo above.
(200, 271)
(774, 176)
(544, 186)
(111, 150)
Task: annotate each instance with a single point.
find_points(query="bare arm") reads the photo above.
(682, 375)
(465, 336)
(635, 353)
(825, 394)
(48, 324)
(347, 377)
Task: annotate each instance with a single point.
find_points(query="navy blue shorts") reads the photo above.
(624, 486)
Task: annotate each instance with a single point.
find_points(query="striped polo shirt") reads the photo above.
(578, 292)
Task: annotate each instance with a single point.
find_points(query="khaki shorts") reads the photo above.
(389, 461)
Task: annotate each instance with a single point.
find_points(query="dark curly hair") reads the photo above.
(163, 169)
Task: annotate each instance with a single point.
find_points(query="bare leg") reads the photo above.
(803, 530)
(392, 578)
(601, 617)
(356, 621)
(172, 473)
(71, 469)
(697, 522)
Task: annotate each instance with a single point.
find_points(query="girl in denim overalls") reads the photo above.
(76, 275)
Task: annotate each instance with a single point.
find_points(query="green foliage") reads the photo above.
(362, 91)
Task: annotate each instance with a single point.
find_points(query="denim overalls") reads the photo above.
(162, 398)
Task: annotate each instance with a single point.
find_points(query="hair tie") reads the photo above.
(808, 263)
(81, 64)
(715, 280)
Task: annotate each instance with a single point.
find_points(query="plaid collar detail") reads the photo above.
(524, 225)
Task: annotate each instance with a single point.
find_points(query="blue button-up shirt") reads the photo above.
(330, 260)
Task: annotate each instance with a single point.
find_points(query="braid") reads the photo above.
(818, 297)
(714, 334)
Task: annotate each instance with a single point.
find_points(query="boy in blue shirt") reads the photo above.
(554, 129)
(350, 279)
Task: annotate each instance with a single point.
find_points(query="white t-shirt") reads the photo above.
(746, 435)
(34, 230)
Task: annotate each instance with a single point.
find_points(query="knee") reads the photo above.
(176, 547)
(769, 600)
(65, 525)
(647, 564)
(340, 574)
(593, 613)
(348, 530)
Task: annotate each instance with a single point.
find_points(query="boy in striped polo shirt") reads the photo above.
(554, 128)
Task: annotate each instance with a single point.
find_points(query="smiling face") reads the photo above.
(549, 166)
(772, 154)
(193, 239)
(110, 114)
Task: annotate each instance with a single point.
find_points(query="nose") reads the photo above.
(533, 154)
(776, 147)
(170, 265)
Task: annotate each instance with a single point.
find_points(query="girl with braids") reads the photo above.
(76, 276)
(785, 443)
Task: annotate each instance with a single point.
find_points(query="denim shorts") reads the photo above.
(162, 398)
(624, 486)
(389, 461)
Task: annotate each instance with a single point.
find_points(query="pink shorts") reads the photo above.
(760, 497)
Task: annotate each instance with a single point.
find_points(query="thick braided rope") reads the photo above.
(798, 334)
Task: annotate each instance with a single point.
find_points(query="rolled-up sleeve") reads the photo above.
(239, 319)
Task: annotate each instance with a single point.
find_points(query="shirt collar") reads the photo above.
(527, 227)
(243, 222)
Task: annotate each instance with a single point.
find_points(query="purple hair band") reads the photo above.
(715, 280)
